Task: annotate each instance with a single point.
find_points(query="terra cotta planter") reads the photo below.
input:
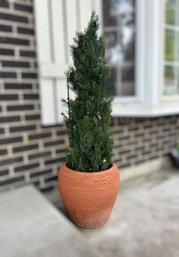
(89, 196)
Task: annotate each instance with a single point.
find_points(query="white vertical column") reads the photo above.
(59, 55)
(44, 56)
(71, 19)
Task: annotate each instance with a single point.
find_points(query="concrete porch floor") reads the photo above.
(145, 220)
(144, 223)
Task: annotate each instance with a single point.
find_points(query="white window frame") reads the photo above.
(149, 100)
(170, 98)
(169, 105)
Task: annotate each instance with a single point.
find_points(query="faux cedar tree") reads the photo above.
(89, 115)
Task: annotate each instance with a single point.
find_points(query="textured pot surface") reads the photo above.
(89, 196)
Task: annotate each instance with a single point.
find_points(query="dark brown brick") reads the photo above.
(147, 126)
(25, 31)
(123, 138)
(36, 183)
(23, 8)
(146, 152)
(39, 155)
(18, 64)
(9, 119)
(131, 156)
(52, 161)
(53, 143)
(4, 4)
(124, 165)
(133, 128)
(31, 96)
(61, 132)
(4, 74)
(10, 161)
(3, 152)
(40, 173)
(25, 107)
(32, 117)
(24, 53)
(39, 136)
(10, 140)
(8, 97)
(17, 86)
(29, 75)
(47, 189)
(22, 128)
(4, 172)
(25, 148)
(27, 167)
(11, 180)
(152, 157)
(60, 151)
(5, 28)
(139, 161)
(117, 131)
(7, 52)
(139, 148)
(122, 151)
(13, 17)
(1, 130)
(14, 41)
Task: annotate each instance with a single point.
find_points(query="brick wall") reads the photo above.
(31, 153)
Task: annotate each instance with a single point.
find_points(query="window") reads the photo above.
(142, 49)
(118, 31)
(171, 64)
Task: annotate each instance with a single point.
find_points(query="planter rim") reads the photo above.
(95, 173)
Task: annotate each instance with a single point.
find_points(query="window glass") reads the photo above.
(119, 36)
(171, 64)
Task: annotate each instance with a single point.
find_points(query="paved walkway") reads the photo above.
(145, 220)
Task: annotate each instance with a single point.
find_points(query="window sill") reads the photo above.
(143, 109)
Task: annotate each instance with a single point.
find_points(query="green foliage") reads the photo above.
(89, 115)
(177, 147)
